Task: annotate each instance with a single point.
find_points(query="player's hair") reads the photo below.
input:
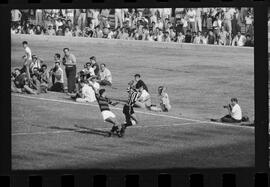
(160, 89)
(88, 63)
(44, 65)
(101, 91)
(57, 55)
(103, 64)
(234, 99)
(57, 63)
(17, 69)
(34, 56)
(25, 42)
(93, 58)
(66, 48)
(137, 75)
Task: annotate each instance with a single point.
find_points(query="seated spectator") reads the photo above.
(249, 42)
(98, 32)
(164, 99)
(18, 81)
(59, 32)
(235, 113)
(180, 37)
(159, 36)
(68, 32)
(105, 76)
(188, 37)
(144, 101)
(211, 38)
(77, 31)
(166, 37)
(50, 31)
(34, 85)
(36, 63)
(93, 83)
(38, 30)
(89, 70)
(58, 85)
(197, 38)
(172, 34)
(239, 40)
(44, 78)
(87, 93)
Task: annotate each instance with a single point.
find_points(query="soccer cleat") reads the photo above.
(114, 129)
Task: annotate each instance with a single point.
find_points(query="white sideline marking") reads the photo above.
(85, 130)
(141, 112)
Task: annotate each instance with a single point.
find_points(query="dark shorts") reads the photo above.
(229, 119)
(128, 111)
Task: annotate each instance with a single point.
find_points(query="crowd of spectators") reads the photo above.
(220, 26)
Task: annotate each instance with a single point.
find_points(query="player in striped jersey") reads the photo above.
(106, 113)
(128, 110)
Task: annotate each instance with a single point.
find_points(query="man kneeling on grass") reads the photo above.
(235, 113)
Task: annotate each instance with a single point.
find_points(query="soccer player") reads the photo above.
(27, 57)
(164, 99)
(106, 113)
(128, 110)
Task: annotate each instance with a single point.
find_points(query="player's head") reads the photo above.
(34, 57)
(234, 101)
(93, 79)
(34, 76)
(83, 82)
(88, 64)
(66, 51)
(102, 92)
(93, 59)
(24, 43)
(160, 89)
(57, 56)
(137, 77)
(102, 66)
(140, 88)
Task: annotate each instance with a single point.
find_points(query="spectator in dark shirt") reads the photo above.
(188, 37)
(248, 42)
(211, 38)
(94, 65)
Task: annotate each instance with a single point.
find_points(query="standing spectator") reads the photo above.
(16, 16)
(36, 63)
(191, 19)
(58, 85)
(228, 16)
(82, 19)
(70, 15)
(198, 20)
(239, 40)
(159, 23)
(39, 17)
(27, 58)
(77, 13)
(119, 16)
(248, 22)
(89, 16)
(94, 65)
(105, 76)
(185, 24)
(58, 23)
(95, 20)
(69, 61)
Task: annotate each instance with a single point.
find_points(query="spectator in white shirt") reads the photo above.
(105, 76)
(191, 19)
(87, 93)
(235, 113)
(16, 16)
(239, 40)
(198, 20)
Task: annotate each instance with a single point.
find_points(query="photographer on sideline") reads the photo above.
(235, 113)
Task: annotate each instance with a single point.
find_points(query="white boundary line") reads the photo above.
(82, 130)
(141, 112)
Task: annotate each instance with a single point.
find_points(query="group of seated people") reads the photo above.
(42, 79)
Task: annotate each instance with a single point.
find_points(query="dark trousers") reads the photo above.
(105, 83)
(229, 119)
(71, 78)
(57, 87)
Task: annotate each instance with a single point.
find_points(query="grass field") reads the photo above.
(200, 80)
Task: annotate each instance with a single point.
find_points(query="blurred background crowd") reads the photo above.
(216, 26)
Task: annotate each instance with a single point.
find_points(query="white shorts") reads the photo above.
(107, 114)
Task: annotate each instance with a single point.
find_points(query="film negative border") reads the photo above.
(174, 177)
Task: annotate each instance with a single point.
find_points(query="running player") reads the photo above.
(128, 110)
(27, 57)
(106, 113)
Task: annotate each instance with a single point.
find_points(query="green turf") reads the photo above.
(200, 80)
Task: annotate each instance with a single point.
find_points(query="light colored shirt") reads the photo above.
(106, 75)
(88, 93)
(164, 99)
(236, 112)
(60, 73)
(28, 53)
(70, 59)
(16, 15)
(239, 41)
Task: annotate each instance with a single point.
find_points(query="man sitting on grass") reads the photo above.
(105, 76)
(235, 113)
(87, 93)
